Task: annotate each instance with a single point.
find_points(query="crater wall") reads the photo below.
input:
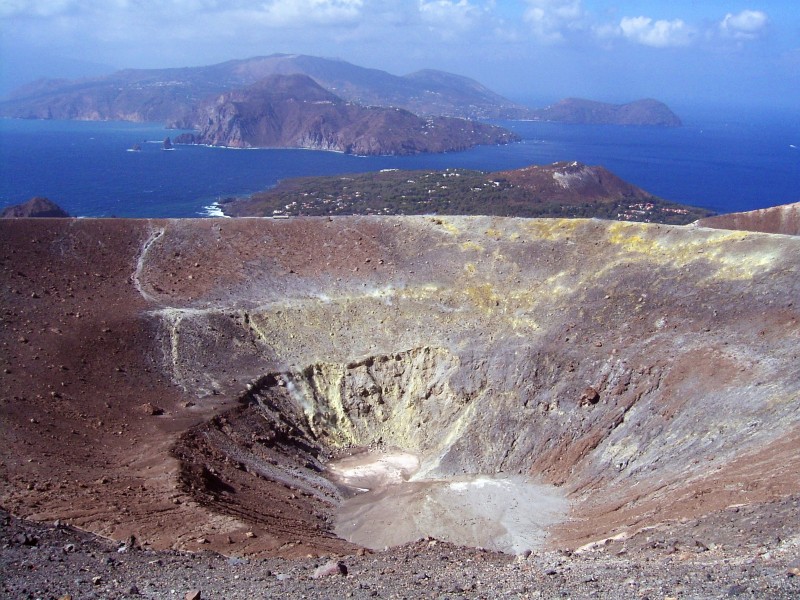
(649, 371)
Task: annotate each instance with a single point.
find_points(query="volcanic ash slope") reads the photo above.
(649, 372)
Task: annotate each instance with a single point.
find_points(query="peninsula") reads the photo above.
(293, 111)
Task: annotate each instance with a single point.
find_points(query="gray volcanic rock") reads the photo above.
(671, 564)
(292, 111)
(35, 207)
(639, 112)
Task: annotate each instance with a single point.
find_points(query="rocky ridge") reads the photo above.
(784, 219)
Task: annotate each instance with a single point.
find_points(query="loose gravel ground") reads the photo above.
(59, 562)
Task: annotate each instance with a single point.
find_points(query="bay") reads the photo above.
(726, 164)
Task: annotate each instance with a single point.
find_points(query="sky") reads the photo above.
(683, 52)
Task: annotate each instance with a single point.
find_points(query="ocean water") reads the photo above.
(724, 164)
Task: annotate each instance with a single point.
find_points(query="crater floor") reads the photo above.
(195, 382)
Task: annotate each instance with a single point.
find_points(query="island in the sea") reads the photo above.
(174, 96)
(293, 111)
(589, 112)
(562, 189)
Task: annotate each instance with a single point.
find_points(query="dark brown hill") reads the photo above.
(35, 207)
(293, 111)
(573, 183)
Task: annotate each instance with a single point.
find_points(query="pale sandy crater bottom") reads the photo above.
(507, 513)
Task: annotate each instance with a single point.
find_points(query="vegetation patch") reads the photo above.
(455, 192)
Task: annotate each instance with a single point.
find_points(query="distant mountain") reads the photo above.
(557, 190)
(784, 219)
(35, 207)
(423, 93)
(293, 111)
(168, 95)
(132, 95)
(640, 112)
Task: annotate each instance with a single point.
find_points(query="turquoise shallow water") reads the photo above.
(87, 168)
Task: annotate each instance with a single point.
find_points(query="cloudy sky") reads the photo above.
(680, 51)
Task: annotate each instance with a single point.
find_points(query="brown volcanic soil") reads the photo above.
(573, 183)
(784, 219)
(187, 381)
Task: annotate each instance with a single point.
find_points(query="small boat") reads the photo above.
(135, 148)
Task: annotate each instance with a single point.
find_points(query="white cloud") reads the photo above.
(658, 34)
(746, 25)
(449, 14)
(36, 8)
(550, 19)
(273, 12)
(301, 12)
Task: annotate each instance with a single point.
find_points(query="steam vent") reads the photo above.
(287, 387)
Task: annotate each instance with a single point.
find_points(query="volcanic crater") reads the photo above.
(501, 383)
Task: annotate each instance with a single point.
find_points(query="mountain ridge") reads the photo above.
(783, 219)
(167, 95)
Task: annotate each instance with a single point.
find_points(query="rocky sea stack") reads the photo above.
(35, 207)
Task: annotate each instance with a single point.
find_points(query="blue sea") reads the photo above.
(744, 162)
